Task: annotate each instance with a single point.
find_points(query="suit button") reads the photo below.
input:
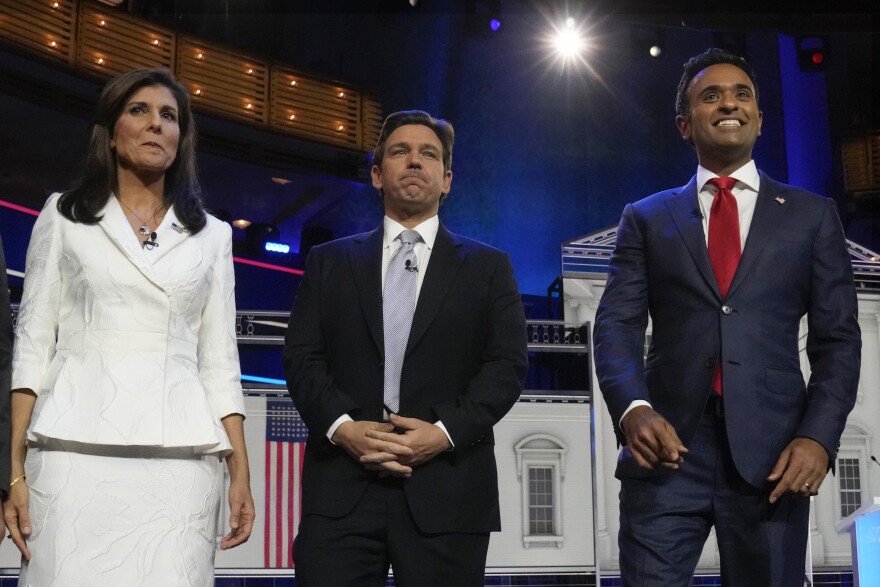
(710, 362)
(726, 310)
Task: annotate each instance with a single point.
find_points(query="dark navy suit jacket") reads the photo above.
(794, 263)
(464, 364)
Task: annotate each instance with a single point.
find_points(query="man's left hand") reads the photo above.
(801, 468)
(424, 438)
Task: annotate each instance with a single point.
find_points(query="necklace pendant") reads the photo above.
(144, 230)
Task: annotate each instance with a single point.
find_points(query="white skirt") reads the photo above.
(121, 516)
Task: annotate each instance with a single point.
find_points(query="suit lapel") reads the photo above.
(685, 210)
(445, 261)
(365, 257)
(768, 212)
(115, 225)
(168, 236)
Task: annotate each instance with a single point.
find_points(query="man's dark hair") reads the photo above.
(441, 128)
(97, 178)
(700, 62)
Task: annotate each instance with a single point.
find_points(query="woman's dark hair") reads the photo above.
(97, 179)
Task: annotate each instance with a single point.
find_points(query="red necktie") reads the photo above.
(724, 245)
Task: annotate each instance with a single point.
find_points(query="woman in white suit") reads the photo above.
(126, 385)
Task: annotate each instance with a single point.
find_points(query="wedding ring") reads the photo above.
(806, 485)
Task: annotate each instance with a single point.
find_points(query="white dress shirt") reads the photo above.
(748, 183)
(390, 243)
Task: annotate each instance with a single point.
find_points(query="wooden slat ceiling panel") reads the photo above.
(856, 164)
(371, 119)
(112, 42)
(322, 110)
(339, 109)
(327, 128)
(875, 160)
(35, 25)
(320, 135)
(222, 82)
(103, 42)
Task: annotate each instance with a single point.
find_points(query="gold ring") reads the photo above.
(806, 485)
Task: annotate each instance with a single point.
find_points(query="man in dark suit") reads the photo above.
(718, 425)
(405, 346)
(5, 378)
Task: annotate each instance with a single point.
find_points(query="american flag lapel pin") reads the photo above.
(780, 200)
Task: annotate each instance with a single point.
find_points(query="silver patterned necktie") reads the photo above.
(398, 307)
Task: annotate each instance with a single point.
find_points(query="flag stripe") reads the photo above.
(288, 544)
(267, 509)
(285, 447)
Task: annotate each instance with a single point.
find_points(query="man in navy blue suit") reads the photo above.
(718, 427)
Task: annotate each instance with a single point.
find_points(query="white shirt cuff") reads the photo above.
(339, 421)
(440, 425)
(635, 403)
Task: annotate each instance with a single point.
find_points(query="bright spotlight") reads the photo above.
(655, 50)
(569, 43)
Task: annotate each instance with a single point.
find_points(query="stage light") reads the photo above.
(812, 53)
(241, 223)
(483, 16)
(647, 40)
(277, 248)
(568, 42)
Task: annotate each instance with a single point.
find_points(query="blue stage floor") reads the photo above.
(824, 579)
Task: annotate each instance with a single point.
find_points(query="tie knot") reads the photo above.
(409, 237)
(722, 183)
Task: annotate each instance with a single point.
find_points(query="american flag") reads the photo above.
(285, 445)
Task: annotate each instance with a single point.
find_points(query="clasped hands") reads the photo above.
(653, 441)
(391, 448)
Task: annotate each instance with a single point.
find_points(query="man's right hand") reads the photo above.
(652, 439)
(383, 454)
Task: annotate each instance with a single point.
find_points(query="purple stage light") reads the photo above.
(494, 24)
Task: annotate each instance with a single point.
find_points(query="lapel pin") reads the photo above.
(779, 200)
(180, 229)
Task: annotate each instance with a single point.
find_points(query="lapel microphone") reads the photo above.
(150, 241)
(410, 267)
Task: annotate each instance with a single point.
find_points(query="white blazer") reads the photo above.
(125, 346)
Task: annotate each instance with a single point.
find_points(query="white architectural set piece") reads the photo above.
(585, 262)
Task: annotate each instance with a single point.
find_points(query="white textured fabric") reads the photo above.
(130, 516)
(146, 352)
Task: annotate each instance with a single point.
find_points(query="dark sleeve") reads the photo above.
(497, 384)
(5, 372)
(316, 397)
(834, 339)
(621, 321)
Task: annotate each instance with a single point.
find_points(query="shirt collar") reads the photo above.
(747, 175)
(427, 230)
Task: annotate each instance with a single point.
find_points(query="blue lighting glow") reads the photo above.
(258, 379)
(277, 248)
(494, 24)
